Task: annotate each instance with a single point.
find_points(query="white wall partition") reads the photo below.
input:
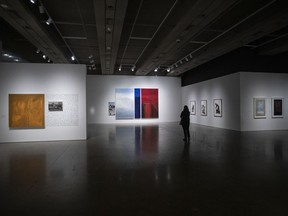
(101, 90)
(226, 88)
(59, 82)
(268, 85)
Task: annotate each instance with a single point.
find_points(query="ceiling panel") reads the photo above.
(144, 33)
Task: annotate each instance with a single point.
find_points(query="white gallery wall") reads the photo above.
(227, 89)
(101, 90)
(58, 82)
(267, 85)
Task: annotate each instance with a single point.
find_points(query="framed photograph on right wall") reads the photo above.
(259, 106)
(203, 107)
(217, 103)
(193, 107)
(277, 107)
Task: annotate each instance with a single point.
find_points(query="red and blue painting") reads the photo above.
(145, 103)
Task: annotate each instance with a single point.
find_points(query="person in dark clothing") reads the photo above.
(185, 122)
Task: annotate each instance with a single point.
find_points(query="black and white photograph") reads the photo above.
(193, 107)
(54, 106)
(217, 107)
(111, 108)
(203, 108)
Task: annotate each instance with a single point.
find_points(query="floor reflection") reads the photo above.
(25, 170)
(148, 170)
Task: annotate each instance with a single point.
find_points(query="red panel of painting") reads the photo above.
(149, 99)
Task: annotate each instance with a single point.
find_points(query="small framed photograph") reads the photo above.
(277, 107)
(111, 108)
(203, 108)
(259, 104)
(193, 107)
(54, 106)
(217, 107)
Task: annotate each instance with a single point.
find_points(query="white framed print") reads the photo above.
(217, 107)
(259, 107)
(193, 107)
(277, 107)
(203, 108)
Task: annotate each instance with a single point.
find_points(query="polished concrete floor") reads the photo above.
(144, 170)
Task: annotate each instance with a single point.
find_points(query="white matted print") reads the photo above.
(217, 107)
(193, 107)
(203, 108)
(259, 107)
(277, 107)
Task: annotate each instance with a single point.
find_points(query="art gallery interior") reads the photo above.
(91, 93)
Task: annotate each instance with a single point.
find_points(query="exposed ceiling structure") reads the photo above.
(139, 37)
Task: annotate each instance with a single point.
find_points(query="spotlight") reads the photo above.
(92, 61)
(44, 56)
(48, 22)
(48, 60)
(73, 58)
(119, 68)
(38, 51)
(186, 59)
(156, 69)
(133, 68)
(33, 1)
(90, 56)
(168, 69)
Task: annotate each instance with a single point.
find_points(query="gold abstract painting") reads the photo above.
(26, 110)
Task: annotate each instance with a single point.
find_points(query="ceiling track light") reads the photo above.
(38, 51)
(73, 58)
(119, 68)
(33, 1)
(133, 68)
(156, 69)
(41, 9)
(168, 69)
(44, 56)
(49, 21)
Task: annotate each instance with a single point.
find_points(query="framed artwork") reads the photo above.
(203, 109)
(217, 107)
(277, 107)
(111, 108)
(124, 103)
(193, 107)
(259, 105)
(149, 99)
(26, 111)
(55, 106)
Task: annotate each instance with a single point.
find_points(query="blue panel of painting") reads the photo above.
(124, 103)
(137, 103)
